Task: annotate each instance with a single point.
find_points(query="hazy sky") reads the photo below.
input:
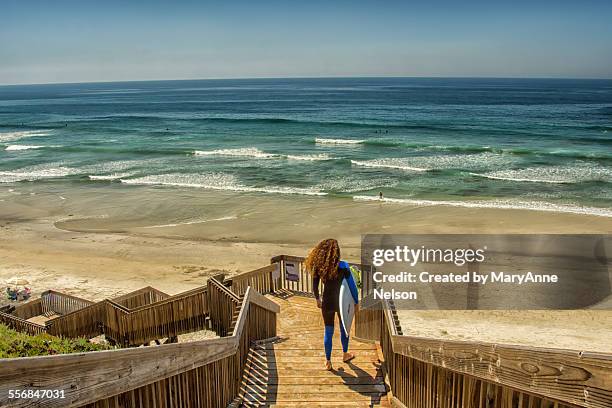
(77, 41)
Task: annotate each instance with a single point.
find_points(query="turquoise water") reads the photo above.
(543, 144)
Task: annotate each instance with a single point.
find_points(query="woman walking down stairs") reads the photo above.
(286, 371)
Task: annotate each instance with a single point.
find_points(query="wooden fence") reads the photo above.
(425, 372)
(19, 324)
(141, 316)
(62, 303)
(300, 281)
(29, 309)
(203, 373)
(224, 306)
(262, 280)
(182, 313)
(85, 322)
(141, 297)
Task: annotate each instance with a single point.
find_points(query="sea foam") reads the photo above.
(338, 141)
(397, 164)
(439, 162)
(22, 147)
(109, 177)
(309, 157)
(12, 136)
(216, 181)
(553, 175)
(497, 204)
(240, 152)
(32, 173)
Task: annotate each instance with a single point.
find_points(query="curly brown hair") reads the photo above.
(323, 259)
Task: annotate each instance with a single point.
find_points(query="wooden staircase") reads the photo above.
(287, 371)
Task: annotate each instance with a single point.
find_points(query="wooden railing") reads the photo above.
(303, 282)
(85, 322)
(19, 324)
(224, 306)
(167, 318)
(62, 303)
(430, 373)
(113, 321)
(141, 316)
(29, 309)
(141, 297)
(203, 373)
(425, 372)
(261, 280)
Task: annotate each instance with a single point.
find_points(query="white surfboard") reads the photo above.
(347, 307)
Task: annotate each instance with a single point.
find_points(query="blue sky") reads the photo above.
(79, 41)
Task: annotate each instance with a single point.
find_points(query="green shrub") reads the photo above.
(17, 344)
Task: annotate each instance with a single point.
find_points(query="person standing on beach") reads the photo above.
(324, 263)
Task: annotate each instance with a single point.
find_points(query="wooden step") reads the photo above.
(318, 352)
(317, 370)
(363, 404)
(315, 380)
(291, 345)
(320, 389)
(375, 397)
(314, 365)
(336, 358)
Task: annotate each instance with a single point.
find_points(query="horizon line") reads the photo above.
(309, 77)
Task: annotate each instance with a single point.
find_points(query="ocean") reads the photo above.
(493, 143)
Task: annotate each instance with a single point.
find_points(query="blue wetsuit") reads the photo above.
(330, 306)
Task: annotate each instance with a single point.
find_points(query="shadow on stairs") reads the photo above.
(288, 372)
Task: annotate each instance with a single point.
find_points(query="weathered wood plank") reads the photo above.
(565, 375)
(88, 377)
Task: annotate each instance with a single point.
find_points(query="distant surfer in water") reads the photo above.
(325, 265)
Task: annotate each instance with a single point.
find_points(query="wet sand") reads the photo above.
(99, 242)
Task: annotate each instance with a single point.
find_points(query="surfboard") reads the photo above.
(347, 307)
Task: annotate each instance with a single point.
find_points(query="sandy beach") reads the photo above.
(88, 246)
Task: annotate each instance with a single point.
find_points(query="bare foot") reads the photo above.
(348, 357)
(328, 365)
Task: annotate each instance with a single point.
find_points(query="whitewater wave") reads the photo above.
(398, 164)
(319, 140)
(497, 204)
(553, 175)
(529, 180)
(198, 221)
(38, 172)
(22, 147)
(354, 185)
(478, 161)
(309, 157)
(216, 181)
(12, 136)
(239, 152)
(109, 177)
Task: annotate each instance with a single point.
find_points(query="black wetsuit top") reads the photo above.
(331, 290)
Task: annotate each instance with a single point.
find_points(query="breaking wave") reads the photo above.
(240, 152)
(22, 147)
(216, 181)
(12, 136)
(497, 204)
(338, 141)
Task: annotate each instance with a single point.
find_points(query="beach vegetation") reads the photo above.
(18, 344)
